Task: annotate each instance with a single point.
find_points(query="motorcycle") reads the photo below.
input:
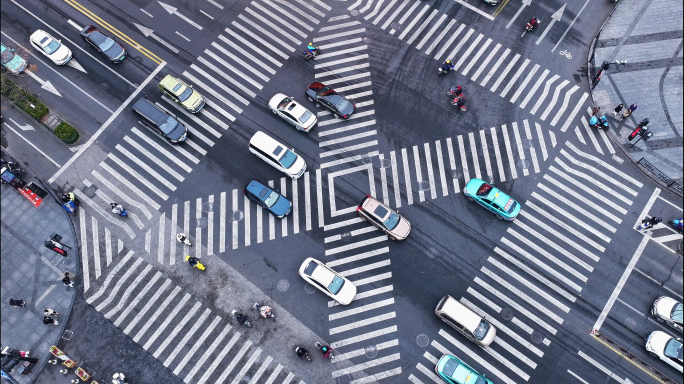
(325, 350)
(649, 223)
(302, 353)
(677, 223)
(309, 55)
(460, 102)
(444, 69)
(241, 318)
(70, 202)
(530, 27)
(455, 91)
(194, 262)
(118, 209)
(264, 310)
(596, 122)
(183, 239)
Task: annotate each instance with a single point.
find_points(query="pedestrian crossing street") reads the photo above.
(480, 59)
(143, 170)
(526, 291)
(197, 345)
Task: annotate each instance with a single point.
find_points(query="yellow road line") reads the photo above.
(500, 8)
(114, 31)
(628, 359)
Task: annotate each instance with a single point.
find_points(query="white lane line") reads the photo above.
(325, 56)
(602, 175)
(339, 26)
(373, 279)
(531, 92)
(477, 56)
(577, 377)
(432, 30)
(222, 222)
(348, 149)
(295, 207)
(355, 40)
(362, 323)
(235, 222)
(283, 190)
(602, 368)
(439, 37)
(391, 18)
(383, 180)
(515, 77)
(496, 66)
(218, 361)
(554, 99)
(464, 162)
(419, 173)
(363, 337)
(33, 145)
(341, 61)
(541, 98)
(248, 229)
(360, 309)
(258, 39)
(365, 294)
(366, 365)
(523, 86)
(460, 44)
(407, 177)
(341, 34)
(234, 361)
(333, 251)
(355, 232)
(420, 29)
(521, 150)
(307, 200)
(217, 95)
(319, 198)
(259, 224)
(341, 70)
(497, 154)
(474, 155)
(344, 223)
(452, 164)
(440, 164)
(468, 51)
(485, 153)
(151, 303)
(572, 115)
(347, 138)
(485, 63)
(265, 31)
(167, 320)
(283, 22)
(210, 227)
(505, 72)
(395, 180)
(174, 225)
(271, 218)
(584, 214)
(349, 78)
(532, 149)
(542, 143)
(566, 101)
(357, 257)
(365, 268)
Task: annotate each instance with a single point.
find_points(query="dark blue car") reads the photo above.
(268, 198)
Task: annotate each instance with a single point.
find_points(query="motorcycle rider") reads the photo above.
(533, 23)
(326, 350)
(312, 49)
(301, 352)
(117, 208)
(447, 66)
(193, 261)
(70, 196)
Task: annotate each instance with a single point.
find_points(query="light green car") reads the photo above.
(454, 371)
(11, 61)
(182, 93)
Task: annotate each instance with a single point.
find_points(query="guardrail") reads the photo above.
(669, 183)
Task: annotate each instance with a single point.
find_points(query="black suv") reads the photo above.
(161, 122)
(323, 94)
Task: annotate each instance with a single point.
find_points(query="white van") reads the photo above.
(276, 154)
(466, 321)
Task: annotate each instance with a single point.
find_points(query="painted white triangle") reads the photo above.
(74, 64)
(50, 88)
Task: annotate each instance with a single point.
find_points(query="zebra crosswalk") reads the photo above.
(479, 58)
(143, 170)
(176, 328)
(532, 288)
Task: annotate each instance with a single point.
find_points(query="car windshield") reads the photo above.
(185, 95)
(392, 221)
(450, 367)
(169, 125)
(336, 285)
(676, 314)
(342, 104)
(484, 190)
(7, 56)
(288, 158)
(305, 117)
(52, 46)
(510, 205)
(673, 349)
(482, 329)
(271, 199)
(284, 103)
(481, 380)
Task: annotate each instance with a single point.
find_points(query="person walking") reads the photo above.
(617, 109)
(67, 280)
(50, 320)
(50, 312)
(632, 108)
(17, 303)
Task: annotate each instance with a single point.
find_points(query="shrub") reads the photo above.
(23, 99)
(67, 133)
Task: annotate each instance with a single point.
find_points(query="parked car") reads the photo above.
(161, 123)
(665, 347)
(330, 282)
(466, 321)
(667, 310)
(52, 48)
(336, 103)
(182, 93)
(454, 371)
(502, 205)
(292, 112)
(384, 217)
(104, 44)
(268, 198)
(11, 61)
(276, 154)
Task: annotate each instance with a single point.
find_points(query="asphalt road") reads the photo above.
(543, 280)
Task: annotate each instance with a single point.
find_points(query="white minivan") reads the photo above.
(276, 154)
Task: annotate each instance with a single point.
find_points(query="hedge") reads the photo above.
(67, 133)
(23, 99)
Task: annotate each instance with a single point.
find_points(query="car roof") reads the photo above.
(500, 197)
(318, 271)
(255, 186)
(370, 203)
(466, 316)
(169, 82)
(39, 35)
(265, 142)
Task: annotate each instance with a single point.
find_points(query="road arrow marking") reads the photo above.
(173, 10)
(44, 84)
(147, 32)
(525, 3)
(22, 127)
(555, 17)
(75, 25)
(74, 64)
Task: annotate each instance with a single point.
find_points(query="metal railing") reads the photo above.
(671, 184)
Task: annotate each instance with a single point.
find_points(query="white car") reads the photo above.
(50, 47)
(667, 310)
(332, 283)
(665, 347)
(292, 112)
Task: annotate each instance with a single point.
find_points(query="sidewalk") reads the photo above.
(33, 273)
(648, 34)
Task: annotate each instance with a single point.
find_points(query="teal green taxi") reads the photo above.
(454, 371)
(490, 197)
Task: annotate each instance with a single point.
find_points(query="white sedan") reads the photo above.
(44, 43)
(292, 112)
(665, 347)
(332, 283)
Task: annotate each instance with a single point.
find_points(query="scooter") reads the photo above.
(183, 239)
(194, 262)
(303, 353)
(443, 71)
(325, 350)
(264, 310)
(308, 55)
(649, 223)
(677, 223)
(241, 318)
(455, 91)
(118, 209)
(460, 102)
(529, 27)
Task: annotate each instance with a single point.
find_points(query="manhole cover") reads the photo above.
(523, 164)
(201, 222)
(366, 159)
(630, 323)
(309, 289)
(385, 163)
(344, 379)
(371, 351)
(354, 12)
(238, 215)
(506, 314)
(208, 207)
(456, 174)
(283, 285)
(489, 179)
(537, 337)
(431, 253)
(366, 40)
(424, 186)
(67, 334)
(422, 340)
(346, 236)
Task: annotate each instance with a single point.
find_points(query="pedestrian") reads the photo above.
(50, 320)
(617, 109)
(67, 281)
(595, 111)
(626, 113)
(17, 303)
(632, 108)
(50, 312)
